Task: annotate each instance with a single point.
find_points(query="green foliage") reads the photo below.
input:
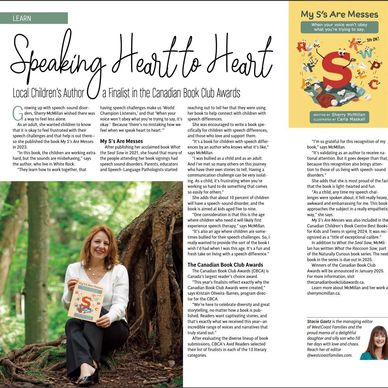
(17, 271)
(48, 356)
(37, 374)
(57, 319)
(75, 207)
(11, 331)
(176, 382)
(8, 209)
(3, 372)
(4, 187)
(10, 203)
(158, 189)
(108, 362)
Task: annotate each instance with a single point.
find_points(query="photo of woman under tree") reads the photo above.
(43, 226)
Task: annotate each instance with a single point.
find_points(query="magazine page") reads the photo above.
(217, 171)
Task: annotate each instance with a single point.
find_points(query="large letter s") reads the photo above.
(86, 301)
(328, 65)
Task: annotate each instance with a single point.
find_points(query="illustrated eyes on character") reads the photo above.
(341, 52)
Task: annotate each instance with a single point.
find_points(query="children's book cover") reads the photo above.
(86, 302)
(338, 65)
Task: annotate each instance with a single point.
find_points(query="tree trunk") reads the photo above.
(13, 214)
(140, 282)
(148, 249)
(37, 263)
(159, 237)
(18, 303)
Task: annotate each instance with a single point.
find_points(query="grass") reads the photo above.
(37, 374)
(177, 382)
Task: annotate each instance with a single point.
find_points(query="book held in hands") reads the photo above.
(86, 302)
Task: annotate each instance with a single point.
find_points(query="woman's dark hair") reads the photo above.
(372, 347)
(112, 257)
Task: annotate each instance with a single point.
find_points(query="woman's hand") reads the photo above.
(71, 284)
(103, 322)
